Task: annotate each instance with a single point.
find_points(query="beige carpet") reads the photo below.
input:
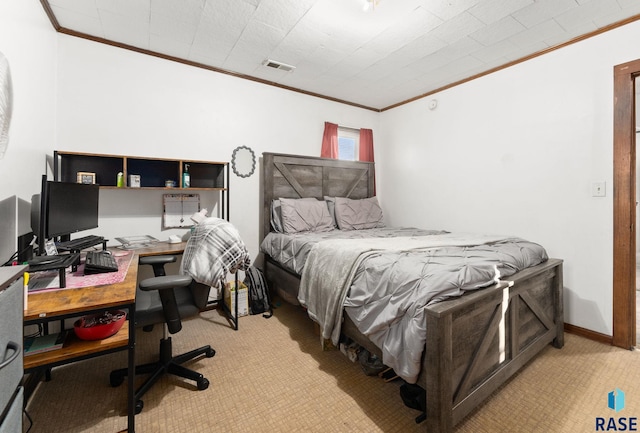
(271, 375)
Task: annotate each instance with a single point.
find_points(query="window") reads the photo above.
(348, 143)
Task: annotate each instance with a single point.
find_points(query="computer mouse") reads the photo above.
(174, 239)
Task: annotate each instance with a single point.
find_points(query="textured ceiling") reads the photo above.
(396, 51)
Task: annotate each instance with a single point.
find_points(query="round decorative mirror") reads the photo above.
(243, 161)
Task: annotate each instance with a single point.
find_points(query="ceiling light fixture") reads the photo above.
(278, 65)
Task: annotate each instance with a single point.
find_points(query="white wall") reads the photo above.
(76, 95)
(516, 152)
(28, 41)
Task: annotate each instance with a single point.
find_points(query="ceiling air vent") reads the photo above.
(278, 65)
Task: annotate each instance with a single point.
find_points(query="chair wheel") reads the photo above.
(210, 353)
(115, 379)
(203, 384)
(139, 406)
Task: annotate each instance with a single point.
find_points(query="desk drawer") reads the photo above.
(12, 422)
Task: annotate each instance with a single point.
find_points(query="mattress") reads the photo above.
(291, 250)
(383, 282)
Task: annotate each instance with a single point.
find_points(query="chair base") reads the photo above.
(166, 364)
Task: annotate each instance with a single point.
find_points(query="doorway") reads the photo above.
(624, 204)
(637, 135)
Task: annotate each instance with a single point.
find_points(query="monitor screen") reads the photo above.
(70, 208)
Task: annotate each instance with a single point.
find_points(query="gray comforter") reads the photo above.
(384, 284)
(291, 250)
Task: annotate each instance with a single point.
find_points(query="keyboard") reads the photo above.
(98, 262)
(81, 243)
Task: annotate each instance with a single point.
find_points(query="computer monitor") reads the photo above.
(71, 207)
(63, 208)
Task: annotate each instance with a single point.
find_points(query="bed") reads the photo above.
(472, 343)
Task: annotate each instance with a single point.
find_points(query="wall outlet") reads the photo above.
(598, 189)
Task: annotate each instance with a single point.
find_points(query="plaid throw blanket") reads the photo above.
(214, 250)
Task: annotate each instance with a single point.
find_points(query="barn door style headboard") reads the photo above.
(294, 176)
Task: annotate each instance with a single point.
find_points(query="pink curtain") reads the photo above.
(366, 150)
(366, 145)
(330, 141)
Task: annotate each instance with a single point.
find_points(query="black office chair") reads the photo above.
(166, 299)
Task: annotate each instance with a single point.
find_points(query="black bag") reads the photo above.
(258, 292)
(415, 397)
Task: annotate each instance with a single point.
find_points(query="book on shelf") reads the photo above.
(44, 343)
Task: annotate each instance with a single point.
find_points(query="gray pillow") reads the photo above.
(276, 214)
(331, 204)
(300, 215)
(358, 214)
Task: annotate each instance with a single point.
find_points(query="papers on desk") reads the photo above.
(135, 242)
(43, 280)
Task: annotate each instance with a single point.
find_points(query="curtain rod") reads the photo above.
(349, 127)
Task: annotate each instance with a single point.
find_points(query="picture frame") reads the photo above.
(86, 177)
(134, 180)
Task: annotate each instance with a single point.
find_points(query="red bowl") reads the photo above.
(99, 326)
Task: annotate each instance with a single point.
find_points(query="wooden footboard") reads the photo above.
(477, 342)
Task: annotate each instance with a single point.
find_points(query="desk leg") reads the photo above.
(237, 290)
(131, 374)
(62, 274)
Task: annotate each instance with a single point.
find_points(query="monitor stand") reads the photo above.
(49, 263)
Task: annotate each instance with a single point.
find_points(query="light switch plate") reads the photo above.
(599, 189)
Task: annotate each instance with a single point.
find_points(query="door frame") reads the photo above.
(624, 204)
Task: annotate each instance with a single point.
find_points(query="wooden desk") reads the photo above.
(66, 303)
(61, 304)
